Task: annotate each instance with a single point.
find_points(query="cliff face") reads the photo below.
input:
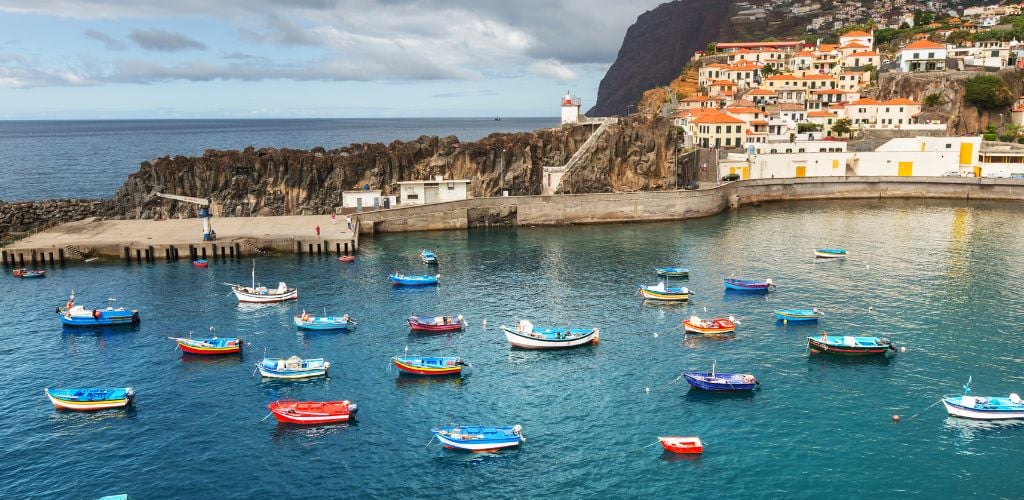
(962, 118)
(27, 216)
(631, 156)
(655, 49)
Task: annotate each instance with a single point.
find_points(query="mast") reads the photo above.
(253, 274)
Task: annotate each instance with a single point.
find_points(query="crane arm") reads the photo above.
(186, 199)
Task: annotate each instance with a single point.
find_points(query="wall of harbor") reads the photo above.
(676, 205)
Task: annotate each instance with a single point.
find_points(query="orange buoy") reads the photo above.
(895, 419)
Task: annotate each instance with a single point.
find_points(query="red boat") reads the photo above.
(347, 258)
(436, 323)
(312, 412)
(201, 263)
(679, 444)
(29, 273)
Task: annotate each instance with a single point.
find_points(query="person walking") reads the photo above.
(348, 220)
(318, 230)
(334, 215)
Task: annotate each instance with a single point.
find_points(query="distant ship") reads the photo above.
(497, 118)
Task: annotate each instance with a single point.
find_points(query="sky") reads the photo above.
(110, 59)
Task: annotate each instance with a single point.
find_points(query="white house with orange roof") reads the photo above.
(718, 87)
(785, 80)
(894, 113)
(858, 37)
(923, 55)
(1017, 113)
(803, 60)
(711, 72)
(852, 48)
(812, 81)
(823, 98)
(791, 95)
(744, 73)
(716, 129)
(853, 81)
(701, 102)
(762, 97)
(861, 59)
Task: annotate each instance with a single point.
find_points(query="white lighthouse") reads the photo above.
(570, 109)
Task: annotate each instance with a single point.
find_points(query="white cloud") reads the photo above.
(164, 41)
(552, 69)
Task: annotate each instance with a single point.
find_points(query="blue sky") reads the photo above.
(83, 59)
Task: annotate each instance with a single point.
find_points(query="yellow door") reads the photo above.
(732, 170)
(801, 171)
(835, 163)
(966, 152)
(746, 173)
(977, 171)
(906, 169)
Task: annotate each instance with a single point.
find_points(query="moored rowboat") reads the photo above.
(665, 294)
(436, 323)
(681, 444)
(434, 366)
(90, 398)
(797, 315)
(745, 285)
(72, 315)
(29, 273)
(479, 438)
(713, 326)
(293, 367)
(984, 408)
(200, 263)
(307, 322)
(262, 295)
(850, 346)
(711, 381)
(830, 253)
(413, 280)
(347, 258)
(313, 412)
(526, 336)
(209, 346)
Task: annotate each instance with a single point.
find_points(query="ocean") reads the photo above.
(91, 159)
(940, 278)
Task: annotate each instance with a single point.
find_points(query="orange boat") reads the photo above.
(312, 412)
(347, 258)
(680, 444)
(714, 326)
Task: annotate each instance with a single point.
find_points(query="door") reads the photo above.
(906, 169)
(431, 194)
(801, 170)
(746, 173)
(966, 153)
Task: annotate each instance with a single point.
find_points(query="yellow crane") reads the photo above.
(204, 211)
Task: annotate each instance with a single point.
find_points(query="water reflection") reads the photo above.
(305, 435)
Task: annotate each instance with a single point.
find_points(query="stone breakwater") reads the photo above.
(20, 218)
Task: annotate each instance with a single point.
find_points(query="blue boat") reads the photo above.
(414, 280)
(984, 408)
(676, 272)
(711, 381)
(478, 437)
(293, 367)
(830, 253)
(73, 315)
(798, 315)
(306, 321)
(846, 345)
(428, 257)
(90, 398)
(748, 285)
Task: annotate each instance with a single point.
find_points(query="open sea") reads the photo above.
(941, 278)
(92, 158)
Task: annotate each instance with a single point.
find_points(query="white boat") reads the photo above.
(984, 408)
(261, 294)
(527, 336)
(293, 367)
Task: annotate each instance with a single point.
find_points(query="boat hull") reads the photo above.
(200, 263)
(416, 326)
(478, 439)
(817, 345)
(105, 318)
(726, 382)
(826, 254)
(313, 413)
(267, 298)
(206, 350)
(346, 258)
(682, 445)
(413, 281)
(69, 404)
(524, 341)
(795, 318)
(648, 294)
(293, 374)
(410, 368)
(694, 328)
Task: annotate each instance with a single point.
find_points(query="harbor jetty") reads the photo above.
(143, 240)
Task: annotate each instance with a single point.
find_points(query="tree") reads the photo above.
(932, 100)
(988, 92)
(922, 18)
(712, 48)
(769, 69)
(808, 127)
(842, 126)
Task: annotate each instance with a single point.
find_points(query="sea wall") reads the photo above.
(675, 205)
(19, 218)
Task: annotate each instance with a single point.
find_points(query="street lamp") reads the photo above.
(501, 170)
(629, 106)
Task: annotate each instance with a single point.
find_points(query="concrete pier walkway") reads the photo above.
(149, 240)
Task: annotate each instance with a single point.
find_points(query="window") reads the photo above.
(931, 55)
(718, 129)
(412, 196)
(995, 53)
(917, 55)
(451, 186)
(949, 146)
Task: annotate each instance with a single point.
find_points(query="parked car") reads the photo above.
(731, 177)
(1017, 175)
(690, 186)
(951, 173)
(995, 175)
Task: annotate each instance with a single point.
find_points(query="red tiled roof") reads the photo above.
(716, 117)
(902, 101)
(866, 102)
(761, 92)
(821, 114)
(856, 33)
(923, 44)
(863, 54)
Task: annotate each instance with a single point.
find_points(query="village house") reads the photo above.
(923, 55)
(718, 130)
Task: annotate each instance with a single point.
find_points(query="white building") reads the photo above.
(571, 109)
(366, 199)
(435, 191)
(923, 55)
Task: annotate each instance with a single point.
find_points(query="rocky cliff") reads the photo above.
(632, 155)
(19, 218)
(962, 118)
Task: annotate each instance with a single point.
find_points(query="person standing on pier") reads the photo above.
(318, 229)
(334, 215)
(348, 221)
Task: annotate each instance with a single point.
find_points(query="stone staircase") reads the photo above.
(77, 252)
(254, 247)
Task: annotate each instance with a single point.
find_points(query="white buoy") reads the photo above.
(705, 308)
(903, 349)
(647, 390)
(485, 323)
(655, 334)
(867, 266)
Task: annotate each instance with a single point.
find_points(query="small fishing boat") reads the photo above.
(479, 438)
(413, 280)
(262, 295)
(664, 293)
(313, 412)
(347, 258)
(672, 272)
(682, 444)
(306, 321)
(209, 346)
(847, 345)
(744, 285)
(29, 273)
(830, 253)
(713, 326)
(422, 365)
(526, 336)
(90, 398)
(74, 315)
(200, 263)
(711, 381)
(798, 315)
(984, 408)
(428, 257)
(293, 367)
(436, 323)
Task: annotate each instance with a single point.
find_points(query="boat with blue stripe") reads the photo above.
(748, 285)
(76, 315)
(672, 272)
(984, 407)
(830, 253)
(293, 367)
(90, 398)
(798, 315)
(428, 257)
(527, 336)
(479, 438)
(306, 321)
(429, 365)
(847, 345)
(413, 280)
(712, 381)
(665, 293)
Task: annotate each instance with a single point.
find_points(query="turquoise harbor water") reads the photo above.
(940, 278)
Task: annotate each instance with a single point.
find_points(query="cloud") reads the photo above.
(19, 72)
(282, 31)
(109, 42)
(164, 41)
(465, 93)
(552, 69)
